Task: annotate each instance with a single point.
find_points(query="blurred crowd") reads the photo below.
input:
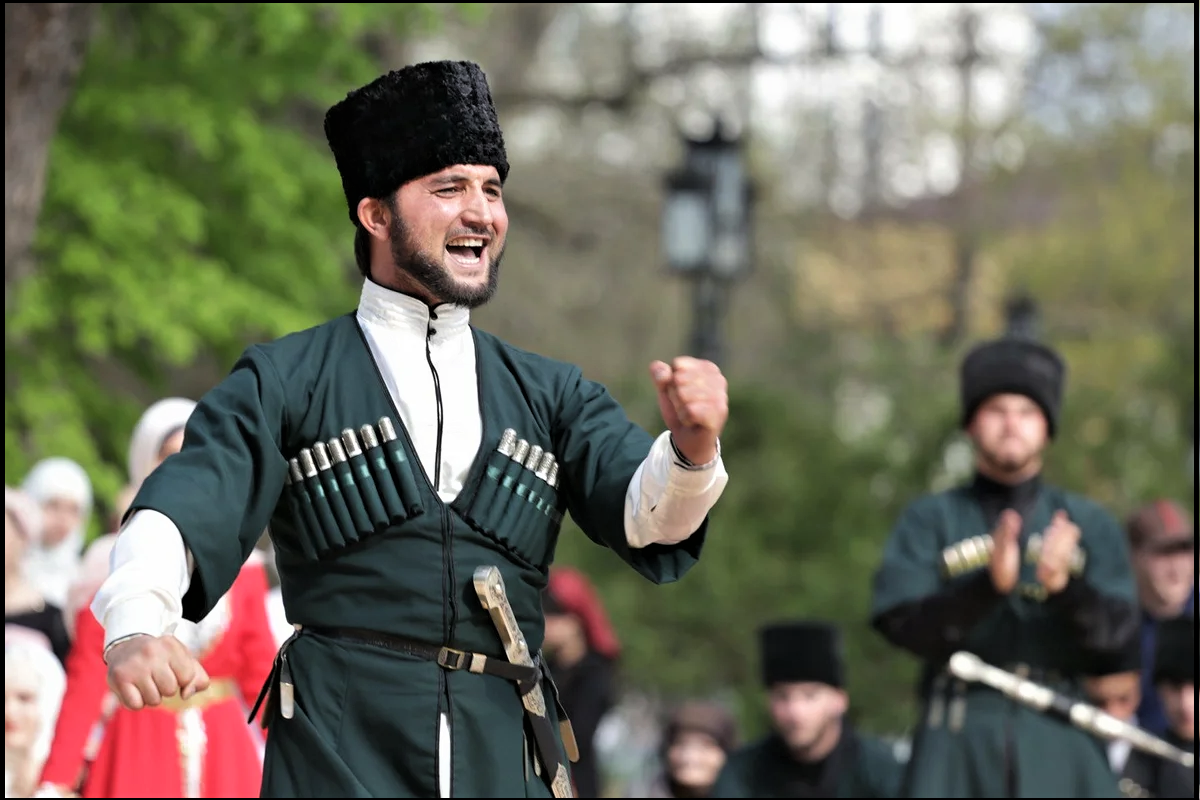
(65, 734)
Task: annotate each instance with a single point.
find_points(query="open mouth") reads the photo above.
(467, 250)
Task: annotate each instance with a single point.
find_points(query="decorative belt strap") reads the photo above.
(219, 690)
(448, 658)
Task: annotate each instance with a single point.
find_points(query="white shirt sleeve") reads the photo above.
(667, 500)
(150, 571)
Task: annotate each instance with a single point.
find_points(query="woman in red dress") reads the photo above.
(200, 747)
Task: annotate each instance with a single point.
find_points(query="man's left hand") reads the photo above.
(694, 401)
(1059, 543)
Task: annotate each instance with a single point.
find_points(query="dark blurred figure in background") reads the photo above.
(812, 751)
(1162, 546)
(582, 651)
(1116, 688)
(697, 740)
(1175, 682)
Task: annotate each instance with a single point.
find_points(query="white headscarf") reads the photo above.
(27, 654)
(52, 568)
(160, 421)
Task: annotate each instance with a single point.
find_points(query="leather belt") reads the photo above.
(447, 658)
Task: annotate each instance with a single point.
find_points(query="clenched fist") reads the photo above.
(145, 669)
(1059, 543)
(694, 401)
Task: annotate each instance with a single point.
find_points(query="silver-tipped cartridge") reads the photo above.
(508, 442)
(369, 440)
(543, 468)
(321, 455)
(350, 439)
(336, 453)
(534, 458)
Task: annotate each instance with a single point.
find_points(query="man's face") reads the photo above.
(448, 234)
(804, 713)
(1165, 576)
(1117, 694)
(1009, 432)
(1179, 704)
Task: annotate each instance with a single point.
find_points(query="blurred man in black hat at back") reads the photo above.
(1115, 688)
(1175, 681)
(1026, 576)
(812, 750)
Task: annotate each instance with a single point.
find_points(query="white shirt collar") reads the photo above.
(381, 306)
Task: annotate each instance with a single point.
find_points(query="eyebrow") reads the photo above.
(456, 177)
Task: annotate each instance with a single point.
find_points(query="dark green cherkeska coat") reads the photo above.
(972, 741)
(859, 767)
(366, 718)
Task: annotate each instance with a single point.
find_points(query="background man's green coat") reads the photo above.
(859, 767)
(971, 741)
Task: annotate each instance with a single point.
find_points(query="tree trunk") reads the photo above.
(44, 45)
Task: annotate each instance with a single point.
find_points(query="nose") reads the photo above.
(478, 210)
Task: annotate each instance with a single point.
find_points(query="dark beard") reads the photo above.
(1007, 465)
(435, 278)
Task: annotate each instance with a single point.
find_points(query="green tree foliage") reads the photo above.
(192, 207)
(1112, 133)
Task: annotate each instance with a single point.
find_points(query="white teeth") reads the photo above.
(466, 243)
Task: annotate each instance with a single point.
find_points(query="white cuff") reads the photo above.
(143, 614)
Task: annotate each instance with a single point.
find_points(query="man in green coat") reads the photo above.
(812, 750)
(394, 452)
(1028, 577)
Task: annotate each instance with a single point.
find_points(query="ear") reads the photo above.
(375, 217)
(843, 701)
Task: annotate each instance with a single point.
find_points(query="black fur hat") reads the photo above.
(1017, 366)
(1124, 659)
(410, 123)
(1175, 651)
(802, 652)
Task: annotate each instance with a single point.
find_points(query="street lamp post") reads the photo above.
(1022, 318)
(706, 231)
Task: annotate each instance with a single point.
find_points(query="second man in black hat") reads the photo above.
(1026, 576)
(812, 751)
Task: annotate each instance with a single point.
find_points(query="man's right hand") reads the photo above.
(145, 669)
(1005, 565)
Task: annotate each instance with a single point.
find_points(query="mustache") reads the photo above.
(467, 231)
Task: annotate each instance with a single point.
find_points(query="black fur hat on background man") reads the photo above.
(410, 123)
(802, 652)
(1013, 365)
(1175, 651)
